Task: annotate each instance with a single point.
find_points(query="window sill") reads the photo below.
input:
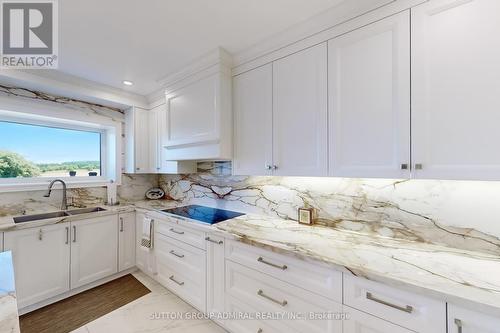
(43, 185)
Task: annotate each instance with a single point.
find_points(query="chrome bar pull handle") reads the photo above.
(74, 234)
(262, 260)
(177, 232)
(261, 294)
(176, 254)
(407, 309)
(121, 224)
(459, 324)
(174, 280)
(67, 235)
(214, 241)
(40, 234)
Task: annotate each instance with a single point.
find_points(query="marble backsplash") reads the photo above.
(133, 188)
(460, 214)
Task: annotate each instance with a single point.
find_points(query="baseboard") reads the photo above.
(72, 292)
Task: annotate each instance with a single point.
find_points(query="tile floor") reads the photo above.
(135, 317)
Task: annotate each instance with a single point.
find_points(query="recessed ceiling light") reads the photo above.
(127, 83)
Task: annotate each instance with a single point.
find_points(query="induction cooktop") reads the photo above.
(203, 214)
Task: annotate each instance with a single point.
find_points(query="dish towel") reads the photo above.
(147, 233)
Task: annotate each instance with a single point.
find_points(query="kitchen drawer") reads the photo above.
(461, 320)
(268, 294)
(360, 322)
(176, 230)
(248, 322)
(415, 312)
(185, 280)
(185, 258)
(323, 281)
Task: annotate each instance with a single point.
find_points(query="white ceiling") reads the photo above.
(142, 41)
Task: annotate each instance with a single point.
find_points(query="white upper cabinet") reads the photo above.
(198, 106)
(462, 320)
(455, 89)
(155, 116)
(300, 113)
(369, 100)
(253, 121)
(137, 135)
(192, 113)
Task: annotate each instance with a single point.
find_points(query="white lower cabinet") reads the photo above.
(215, 275)
(126, 241)
(182, 269)
(145, 258)
(462, 320)
(360, 322)
(41, 262)
(94, 244)
(415, 312)
(293, 304)
(246, 320)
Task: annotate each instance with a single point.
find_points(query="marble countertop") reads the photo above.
(466, 278)
(7, 221)
(462, 277)
(9, 319)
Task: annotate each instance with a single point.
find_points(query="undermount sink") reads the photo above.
(86, 210)
(62, 213)
(36, 217)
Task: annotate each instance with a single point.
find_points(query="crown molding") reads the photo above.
(217, 57)
(338, 14)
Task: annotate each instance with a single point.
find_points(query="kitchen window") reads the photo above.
(39, 144)
(31, 151)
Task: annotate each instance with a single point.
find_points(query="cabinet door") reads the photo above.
(215, 275)
(126, 241)
(360, 322)
(455, 89)
(154, 139)
(193, 113)
(41, 262)
(94, 249)
(144, 257)
(465, 321)
(253, 122)
(300, 113)
(141, 140)
(369, 100)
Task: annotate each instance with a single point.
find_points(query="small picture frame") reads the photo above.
(306, 216)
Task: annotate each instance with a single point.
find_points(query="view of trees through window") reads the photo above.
(40, 151)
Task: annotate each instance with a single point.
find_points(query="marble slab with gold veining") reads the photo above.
(461, 277)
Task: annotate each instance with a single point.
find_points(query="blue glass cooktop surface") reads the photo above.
(203, 214)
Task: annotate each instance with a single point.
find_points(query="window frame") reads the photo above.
(110, 130)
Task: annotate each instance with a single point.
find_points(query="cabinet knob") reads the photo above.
(268, 167)
(404, 166)
(419, 166)
(137, 169)
(275, 167)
